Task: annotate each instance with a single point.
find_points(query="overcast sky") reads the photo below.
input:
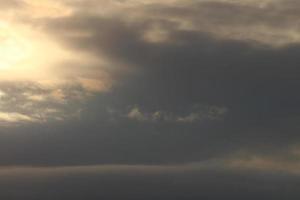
(149, 99)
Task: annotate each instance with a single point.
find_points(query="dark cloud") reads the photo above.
(226, 75)
(257, 84)
(272, 23)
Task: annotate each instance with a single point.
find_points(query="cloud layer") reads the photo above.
(196, 94)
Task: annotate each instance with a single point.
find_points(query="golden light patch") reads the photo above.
(156, 35)
(268, 164)
(27, 54)
(37, 62)
(13, 48)
(14, 117)
(46, 8)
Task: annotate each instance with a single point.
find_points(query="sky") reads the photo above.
(149, 99)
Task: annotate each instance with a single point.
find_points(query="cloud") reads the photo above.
(175, 99)
(165, 77)
(271, 23)
(36, 104)
(10, 4)
(286, 161)
(257, 163)
(14, 117)
(164, 57)
(44, 61)
(199, 114)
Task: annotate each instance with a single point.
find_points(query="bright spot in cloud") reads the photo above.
(13, 48)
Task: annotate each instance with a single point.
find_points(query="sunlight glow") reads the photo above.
(26, 54)
(13, 48)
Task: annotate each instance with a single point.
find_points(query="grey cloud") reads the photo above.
(22, 102)
(272, 23)
(258, 85)
(199, 113)
(165, 59)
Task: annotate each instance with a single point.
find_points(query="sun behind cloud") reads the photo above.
(13, 48)
(26, 54)
(40, 76)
